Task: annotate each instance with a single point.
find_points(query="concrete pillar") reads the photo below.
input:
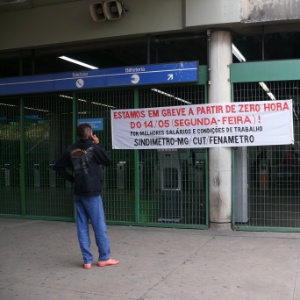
(219, 91)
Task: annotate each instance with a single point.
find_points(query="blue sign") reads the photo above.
(180, 72)
(96, 124)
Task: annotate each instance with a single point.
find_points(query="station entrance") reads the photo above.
(142, 187)
(151, 187)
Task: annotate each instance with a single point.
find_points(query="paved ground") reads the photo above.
(41, 260)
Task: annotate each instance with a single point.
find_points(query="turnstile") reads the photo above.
(170, 185)
(121, 175)
(7, 173)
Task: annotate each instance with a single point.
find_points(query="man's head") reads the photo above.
(84, 130)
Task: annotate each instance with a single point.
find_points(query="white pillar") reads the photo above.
(219, 91)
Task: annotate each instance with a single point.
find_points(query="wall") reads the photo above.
(270, 10)
(71, 22)
(212, 12)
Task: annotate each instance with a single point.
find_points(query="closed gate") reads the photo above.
(29, 130)
(272, 189)
(145, 187)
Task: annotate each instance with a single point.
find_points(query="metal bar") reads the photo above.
(74, 117)
(74, 126)
(32, 217)
(160, 225)
(232, 174)
(22, 158)
(266, 229)
(137, 169)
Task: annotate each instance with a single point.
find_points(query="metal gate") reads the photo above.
(271, 194)
(29, 145)
(150, 187)
(142, 187)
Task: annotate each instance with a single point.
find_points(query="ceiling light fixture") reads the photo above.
(36, 109)
(271, 96)
(10, 105)
(77, 62)
(238, 54)
(82, 100)
(11, 1)
(266, 89)
(171, 96)
(241, 58)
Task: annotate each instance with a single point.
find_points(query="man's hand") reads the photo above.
(94, 139)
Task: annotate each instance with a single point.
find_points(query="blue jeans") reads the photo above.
(91, 208)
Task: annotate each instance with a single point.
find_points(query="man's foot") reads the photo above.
(87, 266)
(109, 262)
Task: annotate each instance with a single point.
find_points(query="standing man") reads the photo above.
(84, 158)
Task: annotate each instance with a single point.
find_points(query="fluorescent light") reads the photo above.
(29, 108)
(37, 109)
(82, 100)
(271, 96)
(264, 87)
(74, 61)
(238, 54)
(171, 96)
(267, 90)
(65, 96)
(241, 58)
(101, 104)
(5, 104)
(3, 2)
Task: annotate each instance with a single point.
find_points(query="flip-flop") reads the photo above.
(109, 262)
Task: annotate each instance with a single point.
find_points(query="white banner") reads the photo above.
(202, 126)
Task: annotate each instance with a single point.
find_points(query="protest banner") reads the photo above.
(239, 124)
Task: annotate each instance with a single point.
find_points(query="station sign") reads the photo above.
(180, 72)
(96, 123)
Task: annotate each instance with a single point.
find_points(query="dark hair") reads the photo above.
(84, 130)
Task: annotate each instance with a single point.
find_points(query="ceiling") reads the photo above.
(185, 46)
(126, 52)
(161, 49)
(11, 5)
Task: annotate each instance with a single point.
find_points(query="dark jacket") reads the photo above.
(83, 158)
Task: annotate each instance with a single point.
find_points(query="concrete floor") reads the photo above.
(41, 260)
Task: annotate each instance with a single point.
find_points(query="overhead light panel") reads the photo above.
(37, 109)
(238, 54)
(241, 58)
(82, 100)
(264, 87)
(11, 1)
(170, 96)
(5, 104)
(77, 62)
(267, 90)
(271, 96)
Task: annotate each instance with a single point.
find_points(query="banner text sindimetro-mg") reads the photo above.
(203, 126)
